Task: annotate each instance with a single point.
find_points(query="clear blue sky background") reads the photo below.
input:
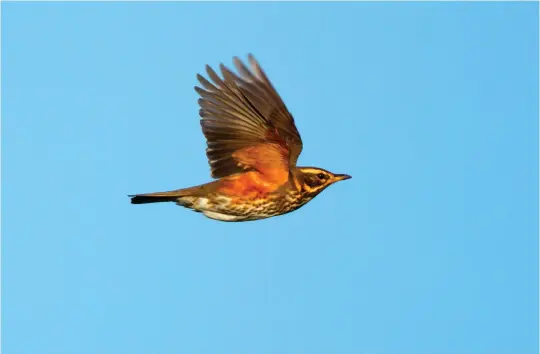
(431, 248)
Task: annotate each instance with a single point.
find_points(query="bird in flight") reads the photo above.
(252, 149)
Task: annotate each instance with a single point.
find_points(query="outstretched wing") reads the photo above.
(246, 124)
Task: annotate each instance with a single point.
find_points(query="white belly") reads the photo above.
(222, 217)
(219, 209)
(210, 210)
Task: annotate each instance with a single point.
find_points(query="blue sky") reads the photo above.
(432, 247)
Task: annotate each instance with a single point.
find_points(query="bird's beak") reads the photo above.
(341, 177)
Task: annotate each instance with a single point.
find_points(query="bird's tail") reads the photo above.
(159, 197)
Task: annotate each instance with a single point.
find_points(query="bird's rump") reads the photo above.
(246, 124)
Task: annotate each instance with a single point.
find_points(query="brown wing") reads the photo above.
(246, 124)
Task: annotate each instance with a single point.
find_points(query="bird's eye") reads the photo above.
(321, 176)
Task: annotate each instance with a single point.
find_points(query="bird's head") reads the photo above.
(314, 180)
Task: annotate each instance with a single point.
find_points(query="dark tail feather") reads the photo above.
(145, 199)
(159, 197)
